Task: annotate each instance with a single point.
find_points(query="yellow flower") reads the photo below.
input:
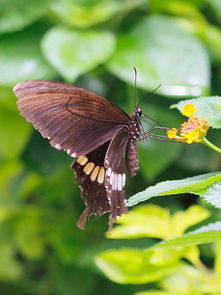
(193, 130)
(192, 136)
(189, 109)
(172, 133)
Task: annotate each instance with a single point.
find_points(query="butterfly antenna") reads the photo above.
(135, 86)
(152, 119)
(150, 93)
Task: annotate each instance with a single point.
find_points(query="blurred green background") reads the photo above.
(94, 44)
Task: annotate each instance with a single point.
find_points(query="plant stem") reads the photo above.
(211, 145)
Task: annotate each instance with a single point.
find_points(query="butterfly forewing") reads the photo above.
(69, 116)
(57, 95)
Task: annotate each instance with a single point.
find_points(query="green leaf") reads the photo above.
(192, 253)
(212, 194)
(188, 280)
(10, 268)
(216, 5)
(152, 293)
(162, 257)
(83, 14)
(181, 220)
(155, 46)
(133, 266)
(143, 221)
(15, 183)
(211, 35)
(74, 52)
(17, 14)
(8, 172)
(217, 264)
(70, 279)
(14, 130)
(64, 240)
(192, 20)
(206, 234)
(21, 58)
(154, 221)
(175, 6)
(127, 265)
(207, 108)
(197, 185)
(152, 161)
(28, 233)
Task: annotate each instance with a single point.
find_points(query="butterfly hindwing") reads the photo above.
(90, 172)
(105, 192)
(115, 176)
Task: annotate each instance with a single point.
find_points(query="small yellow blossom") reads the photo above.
(192, 136)
(189, 109)
(193, 130)
(172, 133)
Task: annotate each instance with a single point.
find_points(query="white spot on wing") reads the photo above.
(114, 181)
(108, 172)
(16, 87)
(111, 178)
(123, 180)
(119, 182)
(58, 146)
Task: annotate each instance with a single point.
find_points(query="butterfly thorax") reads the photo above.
(135, 125)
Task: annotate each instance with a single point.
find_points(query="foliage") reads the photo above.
(162, 262)
(95, 44)
(197, 185)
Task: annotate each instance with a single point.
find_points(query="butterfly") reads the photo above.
(101, 136)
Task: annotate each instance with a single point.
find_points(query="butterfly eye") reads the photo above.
(139, 112)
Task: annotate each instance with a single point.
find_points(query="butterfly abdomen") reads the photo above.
(132, 161)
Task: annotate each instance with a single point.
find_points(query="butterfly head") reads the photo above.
(137, 113)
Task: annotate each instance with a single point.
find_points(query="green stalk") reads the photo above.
(211, 145)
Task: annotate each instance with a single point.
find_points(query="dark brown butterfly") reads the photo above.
(101, 137)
